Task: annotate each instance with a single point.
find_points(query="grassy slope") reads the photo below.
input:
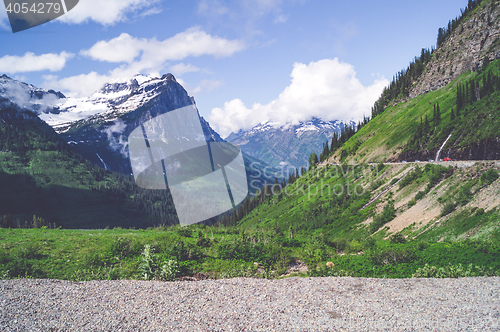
(387, 135)
(42, 178)
(116, 254)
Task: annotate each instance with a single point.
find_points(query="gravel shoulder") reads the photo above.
(242, 304)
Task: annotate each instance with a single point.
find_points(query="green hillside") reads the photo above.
(397, 134)
(460, 79)
(41, 176)
(314, 227)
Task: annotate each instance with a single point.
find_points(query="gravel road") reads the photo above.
(293, 304)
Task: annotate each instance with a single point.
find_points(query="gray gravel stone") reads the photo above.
(293, 304)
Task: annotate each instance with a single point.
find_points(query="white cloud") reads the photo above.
(30, 62)
(281, 19)
(109, 12)
(123, 48)
(206, 86)
(182, 68)
(146, 56)
(77, 86)
(192, 42)
(327, 89)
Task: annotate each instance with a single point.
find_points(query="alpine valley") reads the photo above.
(42, 129)
(414, 191)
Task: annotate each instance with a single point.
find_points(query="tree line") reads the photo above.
(401, 83)
(445, 32)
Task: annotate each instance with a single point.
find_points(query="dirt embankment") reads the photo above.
(428, 208)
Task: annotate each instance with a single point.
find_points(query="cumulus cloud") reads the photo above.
(192, 42)
(76, 86)
(110, 12)
(146, 56)
(107, 12)
(30, 62)
(182, 68)
(327, 89)
(123, 48)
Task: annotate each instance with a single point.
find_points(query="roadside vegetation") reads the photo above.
(319, 220)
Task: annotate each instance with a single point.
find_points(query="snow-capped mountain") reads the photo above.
(98, 126)
(21, 96)
(288, 144)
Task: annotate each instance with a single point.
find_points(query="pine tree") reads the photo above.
(276, 186)
(473, 91)
(459, 97)
(427, 126)
(437, 115)
(489, 83)
(465, 94)
(434, 116)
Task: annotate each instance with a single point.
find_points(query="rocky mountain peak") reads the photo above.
(109, 88)
(280, 144)
(168, 77)
(18, 95)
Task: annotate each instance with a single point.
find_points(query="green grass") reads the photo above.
(116, 254)
(390, 132)
(42, 176)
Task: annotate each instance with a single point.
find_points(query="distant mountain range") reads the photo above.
(290, 145)
(97, 127)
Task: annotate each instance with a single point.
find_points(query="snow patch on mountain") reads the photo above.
(314, 124)
(115, 98)
(288, 144)
(26, 97)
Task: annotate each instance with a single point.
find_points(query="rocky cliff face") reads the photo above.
(114, 112)
(477, 38)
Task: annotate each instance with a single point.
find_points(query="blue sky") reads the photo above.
(245, 61)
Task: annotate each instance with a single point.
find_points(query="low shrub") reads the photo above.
(185, 232)
(489, 176)
(454, 271)
(398, 238)
(241, 272)
(99, 273)
(419, 195)
(169, 270)
(393, 256)
(387, 215)
(412, 202)
(124, 247)
(374, 185)
(447, 209)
